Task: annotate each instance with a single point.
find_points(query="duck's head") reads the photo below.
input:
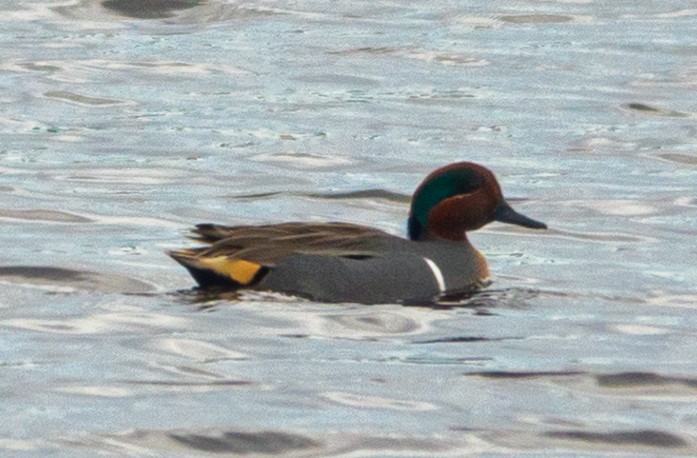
(458, 198)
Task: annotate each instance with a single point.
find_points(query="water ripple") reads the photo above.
(652, 438)
(80, 99)
(196, 349)
(72, 280)
(265, 442)
(536, 19)
(126, 318)
(375, 402)
(43, 215)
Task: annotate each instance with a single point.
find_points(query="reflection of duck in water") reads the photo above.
(342, 262)
(149, 9)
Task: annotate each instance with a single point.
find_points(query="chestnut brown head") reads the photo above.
(458, 198)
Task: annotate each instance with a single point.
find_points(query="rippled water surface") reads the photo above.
(123, 123)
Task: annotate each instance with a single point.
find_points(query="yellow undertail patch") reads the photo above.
(239, 270)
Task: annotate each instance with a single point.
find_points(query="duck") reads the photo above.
(344, 262)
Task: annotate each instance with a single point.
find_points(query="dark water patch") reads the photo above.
(535, 18)
(228, 442)
(652, 438)
(439, 97)
(78, 279)
(465, 339)
(379, 50)
(149, 9)
(641, 379)
(40, 67)
(343, 80)
(517, 200)
(643, 107)
(50, 274)
(191, 384)
(365, 194)
(79, 99)
(648, 109)
(44, 215)
(257, 196)
(679, 158)
(434, 360)
(371, 194)
(523, 375)
(245, 443)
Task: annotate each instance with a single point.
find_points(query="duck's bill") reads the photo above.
(505, 214)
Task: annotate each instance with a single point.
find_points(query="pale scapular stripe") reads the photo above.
(437, 274)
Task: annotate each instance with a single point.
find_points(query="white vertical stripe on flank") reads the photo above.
(436, 273)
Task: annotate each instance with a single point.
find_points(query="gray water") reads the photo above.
(123, 123)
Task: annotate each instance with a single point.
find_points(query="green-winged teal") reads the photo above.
(343, 262)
